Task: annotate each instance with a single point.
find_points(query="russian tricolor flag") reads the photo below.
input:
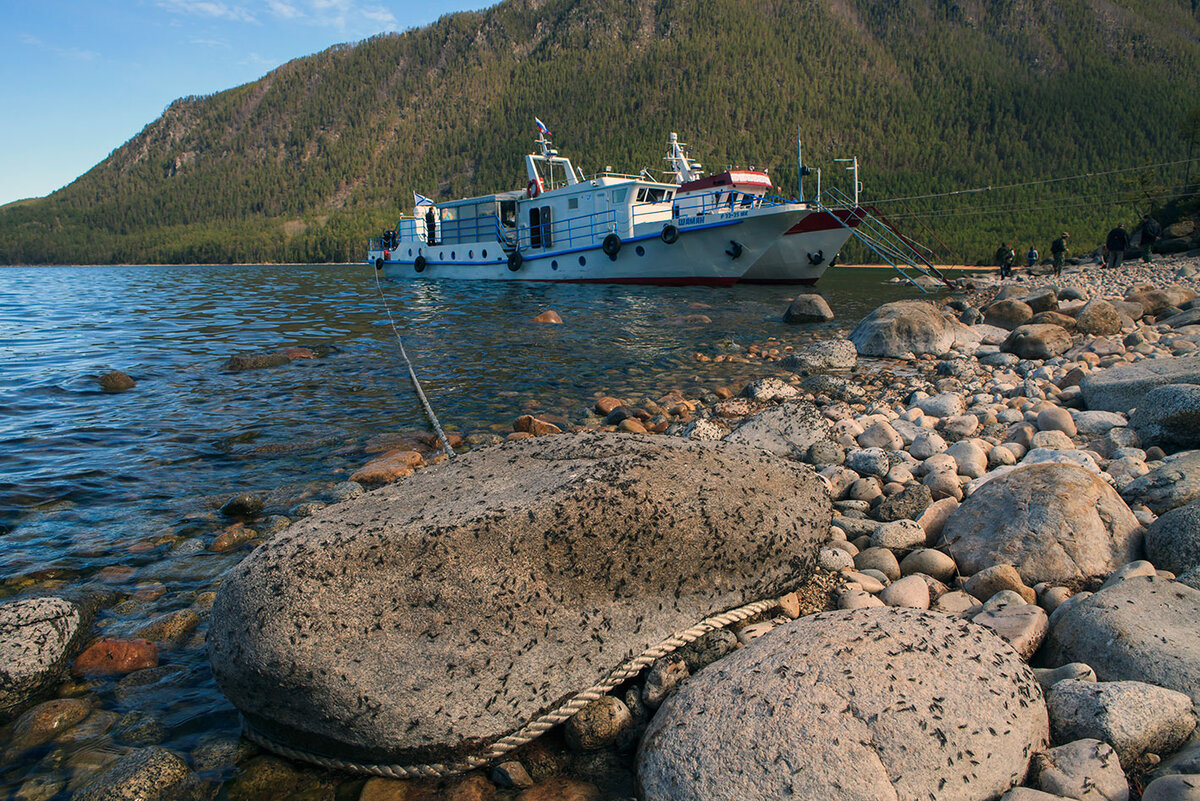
(541, 126)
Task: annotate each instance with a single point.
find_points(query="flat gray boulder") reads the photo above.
(808, 308)
(38, 638)
(1169, 416)
(1120, 389)
(902, 329)
(1037, 341)
(423, 621)
(827, 354)
(1174, 483)
(1131, 716)
(869, 704)
(1173, 540)
(1052, 522)
(788, 429)
(1140, 629)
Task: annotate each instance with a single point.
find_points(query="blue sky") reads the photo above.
(78, 78)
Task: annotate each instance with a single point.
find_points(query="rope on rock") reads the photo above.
(437, 427)
(531, 731)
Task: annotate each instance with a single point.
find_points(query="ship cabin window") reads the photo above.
(653, 194)
(619, 195)
(572, 203)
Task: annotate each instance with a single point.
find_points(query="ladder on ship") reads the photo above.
(881, 237)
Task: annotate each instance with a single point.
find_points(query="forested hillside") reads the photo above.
(932, 95)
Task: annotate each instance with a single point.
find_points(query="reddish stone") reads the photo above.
(631, 425)
(297, 353)
(561, 788)
(723, 392)
(532, 425)
(388, 467)
(550, 316)
(519, 435)
(606, 405)
(115, 657)
(114, 574)
(432, 441)
(470, 788)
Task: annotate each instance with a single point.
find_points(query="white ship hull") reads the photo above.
(802, 255)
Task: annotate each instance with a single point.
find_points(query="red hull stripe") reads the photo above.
(824, 221)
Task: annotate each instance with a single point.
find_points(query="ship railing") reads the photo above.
(881, 237)
(693, 204)
(581, 231)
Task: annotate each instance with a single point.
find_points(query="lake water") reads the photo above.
(118, 490)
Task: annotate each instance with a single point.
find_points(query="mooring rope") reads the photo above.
(532, 730)
(412, 374)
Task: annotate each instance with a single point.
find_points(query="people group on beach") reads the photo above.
(1115, 244)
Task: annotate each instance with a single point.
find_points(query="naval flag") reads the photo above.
(541, 126)
(421, 200)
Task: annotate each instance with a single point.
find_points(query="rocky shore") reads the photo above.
(975, 516)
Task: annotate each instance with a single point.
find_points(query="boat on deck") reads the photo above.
(614, 228)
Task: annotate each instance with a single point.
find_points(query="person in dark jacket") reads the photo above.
(1005, 256)
(1151, 233)
(1116, 245)
(1059, 250)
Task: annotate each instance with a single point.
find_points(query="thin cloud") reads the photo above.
(213, 9)
(62, 52)
(344, 15)
(211, 43)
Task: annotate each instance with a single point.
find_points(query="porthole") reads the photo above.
(470, 254)
(641, 251)
(485, 254)
(554, 264)
(582, 261)
(452, 254)
(410, 251)
(441, 254)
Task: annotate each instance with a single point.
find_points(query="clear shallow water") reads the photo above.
(90, 480)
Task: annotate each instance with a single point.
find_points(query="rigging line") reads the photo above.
(1049, 203)
(437, 427)
(976, 190)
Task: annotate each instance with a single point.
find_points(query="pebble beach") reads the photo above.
(1008, 482)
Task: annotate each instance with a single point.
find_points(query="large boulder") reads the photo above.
(1052, 522)
(788, 429)
(1098, 316)
(1169, 416)
(902, 329)
(1120, 389)
(1155, 300)
(1131, 716)
(1142, 628)
(38, 639)
(1037, 341)
(866, 704)
(425, 620)
(1174, 483)
(1173, 540)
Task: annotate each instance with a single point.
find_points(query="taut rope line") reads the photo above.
(437, 427)
(535, 728)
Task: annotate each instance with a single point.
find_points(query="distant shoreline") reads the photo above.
(956, 267)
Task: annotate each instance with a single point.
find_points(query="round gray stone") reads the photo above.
(1174, 483)
(1052, 522)
(38, 637)
(426, 619)
(903, 328)
(1169, 416)
(789, 429)
(864, 704)
(1173, 540)
(1131, 716)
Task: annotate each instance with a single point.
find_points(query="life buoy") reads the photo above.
(734, 250)
(611, 246)
(816, 258)
(535, 187)
(670, 234)
(387, 254)
(514, 260)
(379, 264)
(419, 264)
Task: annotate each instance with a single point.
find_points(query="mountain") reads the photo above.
(934, 96)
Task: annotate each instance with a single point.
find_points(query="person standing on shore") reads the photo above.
(1005, 256)
(1151, 233)
(1031, 257)
(1059, 250)
(1116, 244)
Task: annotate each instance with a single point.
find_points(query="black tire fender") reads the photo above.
(670, 234)
(419, 264)
(515, 259)
(734, 250)
(611, 246)
(816, 258)
(379, 264)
